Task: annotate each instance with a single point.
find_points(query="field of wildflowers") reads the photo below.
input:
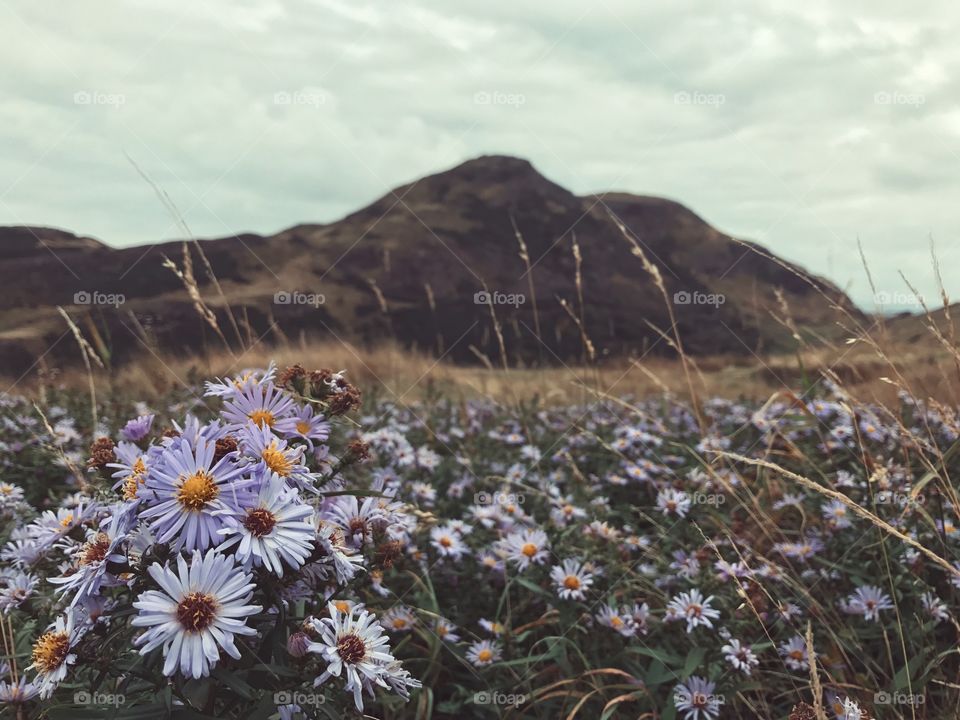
(272, 545)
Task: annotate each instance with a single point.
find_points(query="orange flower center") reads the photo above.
(276, 460)
(50, 651)
(197, 490)
(262, 417)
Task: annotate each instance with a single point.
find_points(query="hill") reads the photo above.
(423, 251)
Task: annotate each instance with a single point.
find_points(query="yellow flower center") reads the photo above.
(197, 490)
(139, 467)
(485, 655)
(67, 519)
(446, 541)
(303, 427)
(130, 487)
(529, 549)
(571, 582)
(276, 460)
(262, 417)
(50, 651)
(342, 605)
(616, 622)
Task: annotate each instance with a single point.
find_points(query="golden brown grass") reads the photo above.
(399, 373)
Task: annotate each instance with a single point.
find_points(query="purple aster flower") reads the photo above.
(305, 424)
(137, 429)
(260, 404)
(191, 494)
(272, 527)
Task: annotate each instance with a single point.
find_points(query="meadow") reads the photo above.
(336, 532)
(279, 543)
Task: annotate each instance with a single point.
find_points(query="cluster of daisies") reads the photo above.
(502, 551)
(205, 544)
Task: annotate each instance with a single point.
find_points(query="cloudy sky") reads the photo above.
(803, 126)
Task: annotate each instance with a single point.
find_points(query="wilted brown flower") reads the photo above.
(101, 453)
(224, 446)
(388, 553)
(292, 377)
(344, 401)
(803, 712)
(358, 451)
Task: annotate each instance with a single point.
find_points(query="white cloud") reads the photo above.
(827, 121)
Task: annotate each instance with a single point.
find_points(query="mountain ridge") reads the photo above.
(453, 232)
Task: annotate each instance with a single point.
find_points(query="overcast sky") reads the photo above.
(801, 125)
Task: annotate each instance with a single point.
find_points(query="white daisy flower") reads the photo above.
(446, 630)
(525, 547)
(694, 608)
(741, 657)
(447, 542)
(673, 502)
(934, 606)
(868, 600)
(354, 648)
(697, 699)
(571, 579)
(52, 651)
(399, 618)
(620, 620)
(794, 654)
(485, 652)
(198, 611)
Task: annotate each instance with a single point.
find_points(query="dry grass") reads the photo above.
(924, 371)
